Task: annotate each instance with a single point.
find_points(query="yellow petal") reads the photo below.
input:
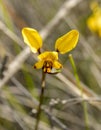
(91, 22)
(32, 39)
(57, 65)
(94, 6)
(47, 55)
(39, 65)
(67, 42)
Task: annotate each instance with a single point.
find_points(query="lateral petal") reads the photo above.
(67, 42)
(57, 65)
(38, 65)
(32, 39)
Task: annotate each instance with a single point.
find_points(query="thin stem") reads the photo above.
(84, 105)
(75, 71)
(40, 100)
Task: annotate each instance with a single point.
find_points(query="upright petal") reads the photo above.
(32, 39)
(48, 55)
(67, 42)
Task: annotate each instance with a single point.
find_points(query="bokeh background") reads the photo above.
(67, 105)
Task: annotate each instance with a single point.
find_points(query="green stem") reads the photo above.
(40, 100)
(75, 71)
(80, 87)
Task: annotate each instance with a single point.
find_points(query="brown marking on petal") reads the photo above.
(57, 50)
(39, 51)
(34, 67)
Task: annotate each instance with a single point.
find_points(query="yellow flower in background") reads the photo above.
(94, 20)
(48, 60)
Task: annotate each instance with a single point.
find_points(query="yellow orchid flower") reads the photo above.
(48, 60)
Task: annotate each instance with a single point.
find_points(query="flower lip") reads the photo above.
(47, 66)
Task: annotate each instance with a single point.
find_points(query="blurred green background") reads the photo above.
(20, 93)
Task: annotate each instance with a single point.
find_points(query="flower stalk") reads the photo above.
(40, 100)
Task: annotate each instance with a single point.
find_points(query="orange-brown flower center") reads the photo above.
(47, 66)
